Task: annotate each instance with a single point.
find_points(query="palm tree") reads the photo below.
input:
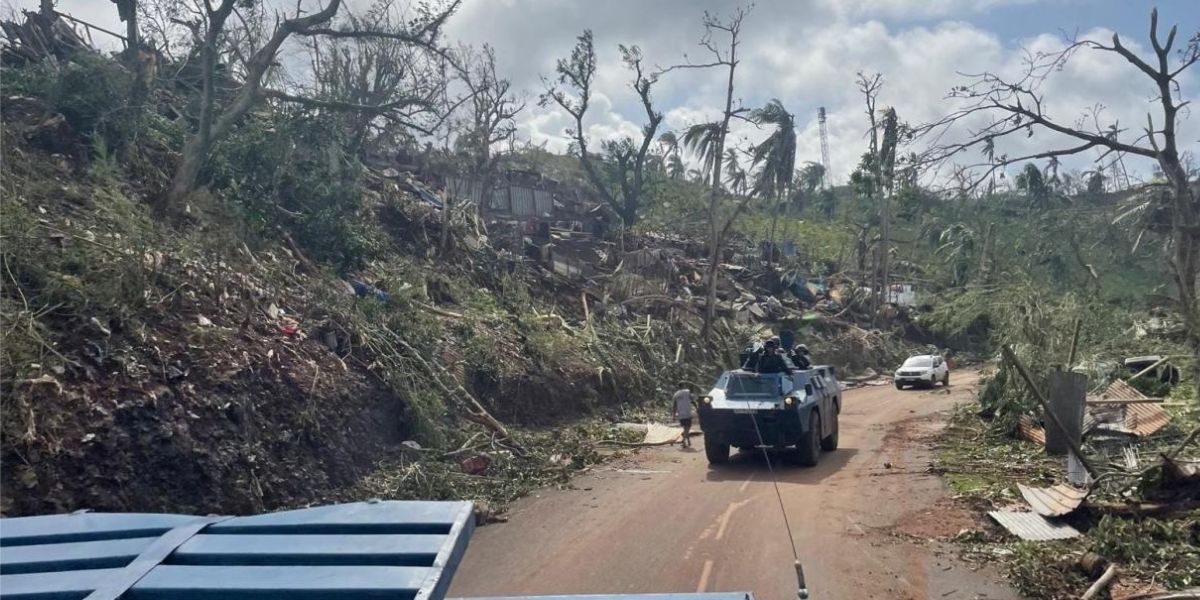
(777, 156)
(735, 176)
(674, 162)
(675, 167)
(958, 242)
(670, 142)
(702, 140)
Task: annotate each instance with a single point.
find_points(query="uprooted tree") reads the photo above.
(625, 183)
(220, 110)
(1017, 108)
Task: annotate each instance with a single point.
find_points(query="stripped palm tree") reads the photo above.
(775, 157)
(674, 162)
(675, 167)
(736, 177)
(703, 140)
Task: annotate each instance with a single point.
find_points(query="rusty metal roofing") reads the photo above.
(1053, 501)
(1141, 419)
(1118, 390)
(1145, 419)
(1030, 431)
(1032, 526)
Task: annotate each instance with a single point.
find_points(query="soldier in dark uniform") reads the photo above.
(773, 359)
(800, 357)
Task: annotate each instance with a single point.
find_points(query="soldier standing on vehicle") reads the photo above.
(772, 360)
(682, 409)
(801, 358)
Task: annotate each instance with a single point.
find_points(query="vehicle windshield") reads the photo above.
(750, 384)
(919, 361)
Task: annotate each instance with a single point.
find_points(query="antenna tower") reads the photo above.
(827, 176)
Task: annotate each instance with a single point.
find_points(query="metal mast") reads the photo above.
(827, 176)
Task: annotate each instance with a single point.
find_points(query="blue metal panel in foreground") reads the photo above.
(403, 550)
(686, 596)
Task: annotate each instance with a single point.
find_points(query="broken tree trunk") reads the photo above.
(1101, 583)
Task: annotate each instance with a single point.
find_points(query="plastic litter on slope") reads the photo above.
(1032, 526)
(1053, 501)
(406, 550)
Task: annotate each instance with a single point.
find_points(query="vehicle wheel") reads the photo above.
(717, 454)
(829, 443)
(899, 385)
(808, 449)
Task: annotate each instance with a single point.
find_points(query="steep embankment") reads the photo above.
(202, 362)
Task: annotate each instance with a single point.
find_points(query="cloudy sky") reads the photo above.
(806, 53)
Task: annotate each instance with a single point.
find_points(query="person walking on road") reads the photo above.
(682, 409)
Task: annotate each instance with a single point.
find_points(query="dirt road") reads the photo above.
(869, 522)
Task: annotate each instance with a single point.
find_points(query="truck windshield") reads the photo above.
(739, 385)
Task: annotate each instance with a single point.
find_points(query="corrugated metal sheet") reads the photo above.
(1032, 526)
(1053, 501)
(1119, 390)
(499, 199)
(543, 202)
(1140, 419)
(359, 550)
(461, 188)
(1030, 431)
(522, 202)
(1145, 419)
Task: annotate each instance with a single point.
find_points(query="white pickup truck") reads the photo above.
(924, 370)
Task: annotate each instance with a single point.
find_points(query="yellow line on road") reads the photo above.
(704, 577)
(746, 483)
(725, 517)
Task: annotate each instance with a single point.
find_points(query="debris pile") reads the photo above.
(1106, 468)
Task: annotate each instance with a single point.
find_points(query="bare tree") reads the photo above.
(572, 91)
(491, 111)
(216, 120)
(404, 81)
(711, 136)
(1016, 107)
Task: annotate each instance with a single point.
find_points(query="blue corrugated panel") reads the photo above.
(685, 596)
(404, 550)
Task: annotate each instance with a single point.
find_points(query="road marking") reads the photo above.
(725, 517)
(704, 577)
(746, 483)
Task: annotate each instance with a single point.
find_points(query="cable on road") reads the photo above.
(802, 590)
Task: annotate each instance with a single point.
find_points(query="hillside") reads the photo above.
(206, 362)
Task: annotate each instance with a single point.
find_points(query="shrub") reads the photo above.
(290, 170)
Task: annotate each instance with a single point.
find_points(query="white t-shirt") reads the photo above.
(683, 404)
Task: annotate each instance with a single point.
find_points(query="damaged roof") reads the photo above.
(1053, 501)
(1032, 526)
